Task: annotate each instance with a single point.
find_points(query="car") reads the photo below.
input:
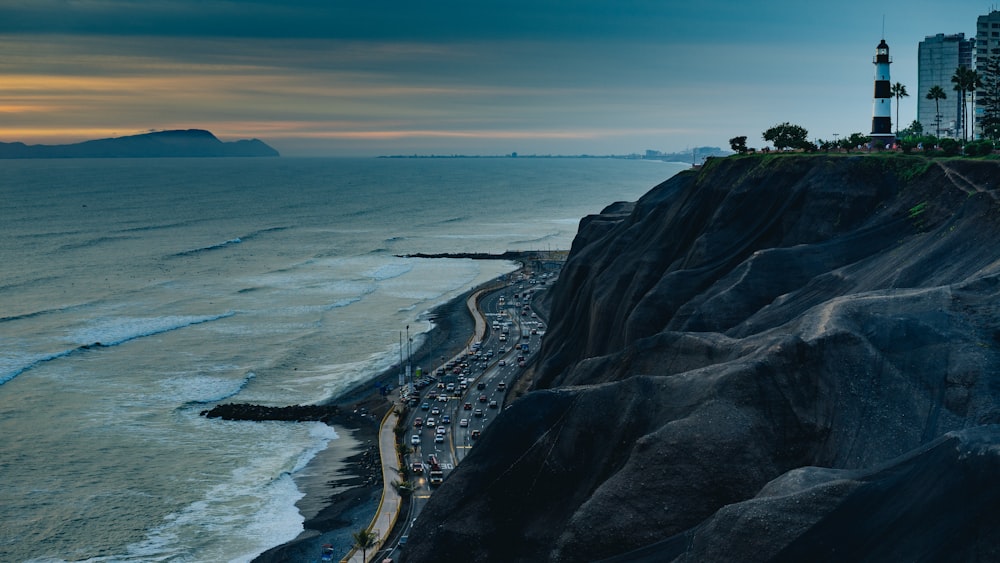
(482, 398)
(431, 423)
(464, 422)
(475, 434)
(415, 439)
(446, 419)
(440, 430)
(450, 387)
(418, 422)
(435, 411)
(443, 399)
(432, 395)
(493, 404)
(425, 407)
(501, 386)
(417, 467)
(467, 406)
(481, 385)
(503, 363)
(439, 439)
(477, 412)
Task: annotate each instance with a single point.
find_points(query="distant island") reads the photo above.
(158, 144)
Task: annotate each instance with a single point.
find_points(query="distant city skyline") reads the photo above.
(314, 78)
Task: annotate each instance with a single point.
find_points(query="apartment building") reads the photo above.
(937, 58)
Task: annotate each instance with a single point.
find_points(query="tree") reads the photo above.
(966, 81)
(937, 94)
(899, 91)
(990, 99)
(914, 130)
(363, 539)
(786, 135)
(739, 144)
(854, 140)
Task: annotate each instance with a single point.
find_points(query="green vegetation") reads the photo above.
(990, 98)
(966, 81)
(404, 488)
(364, 539)
(898, 91)
(937, 94)
(788, 136)
(739, 144)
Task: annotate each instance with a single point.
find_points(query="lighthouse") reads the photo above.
(882, 104)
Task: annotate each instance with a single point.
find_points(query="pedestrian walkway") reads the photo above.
(389, 507)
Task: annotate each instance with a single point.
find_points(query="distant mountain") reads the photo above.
(178, 143)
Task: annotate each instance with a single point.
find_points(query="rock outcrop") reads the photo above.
(775, 358)
(158, 144)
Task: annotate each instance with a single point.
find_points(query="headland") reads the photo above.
(190, 143)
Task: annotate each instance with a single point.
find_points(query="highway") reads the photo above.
(465, 395)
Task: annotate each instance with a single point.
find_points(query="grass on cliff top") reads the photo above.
(903, 166)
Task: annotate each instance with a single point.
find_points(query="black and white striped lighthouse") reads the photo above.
(882, 104)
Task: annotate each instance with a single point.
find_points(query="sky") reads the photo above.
(442, 77)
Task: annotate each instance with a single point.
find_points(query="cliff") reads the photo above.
(774, 358)
(180, 143)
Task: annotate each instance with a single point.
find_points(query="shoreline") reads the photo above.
(350, 497)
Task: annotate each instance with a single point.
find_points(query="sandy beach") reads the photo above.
(343, 484)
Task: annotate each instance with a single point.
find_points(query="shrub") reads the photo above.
(979, 148)
(950, 147)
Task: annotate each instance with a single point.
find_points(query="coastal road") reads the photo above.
(505, 324)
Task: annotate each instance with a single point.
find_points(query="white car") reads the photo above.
(415, 439)
(439, 439)
(464, 422)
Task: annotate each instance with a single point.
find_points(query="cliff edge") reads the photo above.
(159, 144)
(774, 358)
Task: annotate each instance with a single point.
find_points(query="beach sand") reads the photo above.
(343, 484)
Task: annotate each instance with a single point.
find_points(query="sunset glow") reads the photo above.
(345, 78)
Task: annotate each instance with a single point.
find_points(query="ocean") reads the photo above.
(135, 293)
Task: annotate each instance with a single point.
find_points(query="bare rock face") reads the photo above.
(772, 359)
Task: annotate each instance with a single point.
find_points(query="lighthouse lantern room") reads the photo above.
(882, 104)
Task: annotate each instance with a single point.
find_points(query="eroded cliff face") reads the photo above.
(754, 362)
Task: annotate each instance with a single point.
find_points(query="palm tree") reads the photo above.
(965, 80)
(975, 83)
(958, 79)
(363, 539)
(936, 93)
(899, 91)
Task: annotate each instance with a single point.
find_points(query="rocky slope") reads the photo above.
(780, 358)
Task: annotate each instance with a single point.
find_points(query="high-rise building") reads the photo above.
(938, 56)
(987, 46)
